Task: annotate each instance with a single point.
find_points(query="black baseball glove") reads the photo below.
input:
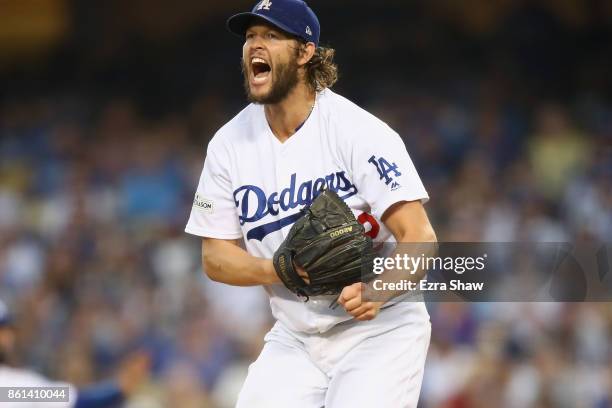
(329, 244)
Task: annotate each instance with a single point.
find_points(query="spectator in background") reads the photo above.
(557, 150)
(104, 394)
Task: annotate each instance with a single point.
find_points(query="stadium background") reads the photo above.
(106, 109)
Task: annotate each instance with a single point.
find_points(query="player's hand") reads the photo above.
(303, 274)
(133, 372)
(350, 298)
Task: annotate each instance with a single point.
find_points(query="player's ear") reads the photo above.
(307, 51)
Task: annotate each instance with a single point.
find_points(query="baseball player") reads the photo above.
(271, 160)
(100, 395)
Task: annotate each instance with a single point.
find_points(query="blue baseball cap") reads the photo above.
(291, 16)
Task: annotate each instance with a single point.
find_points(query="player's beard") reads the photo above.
(284, 79)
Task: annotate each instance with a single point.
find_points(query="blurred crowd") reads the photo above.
(95, 191)
(95, 263)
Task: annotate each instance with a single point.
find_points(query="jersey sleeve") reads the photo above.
(213, 213)
(383, 170)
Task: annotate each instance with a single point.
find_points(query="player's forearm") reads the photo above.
(414, 244)
(228, 263)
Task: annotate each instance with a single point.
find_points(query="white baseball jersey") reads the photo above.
(253, 186)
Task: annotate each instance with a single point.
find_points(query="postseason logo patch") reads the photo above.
(203, 204)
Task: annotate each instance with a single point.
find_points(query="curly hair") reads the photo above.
(321, 71)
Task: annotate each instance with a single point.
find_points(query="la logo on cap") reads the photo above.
(308, 30)
(265, 4)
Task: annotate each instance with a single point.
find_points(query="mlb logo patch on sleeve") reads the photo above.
(203, 204)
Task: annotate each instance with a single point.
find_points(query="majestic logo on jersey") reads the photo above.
(384, 168)
(265, 4)
(253, 204)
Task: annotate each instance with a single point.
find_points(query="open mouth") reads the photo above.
(261, 70)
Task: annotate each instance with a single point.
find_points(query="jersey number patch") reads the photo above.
(384, 168)
(365, 218)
